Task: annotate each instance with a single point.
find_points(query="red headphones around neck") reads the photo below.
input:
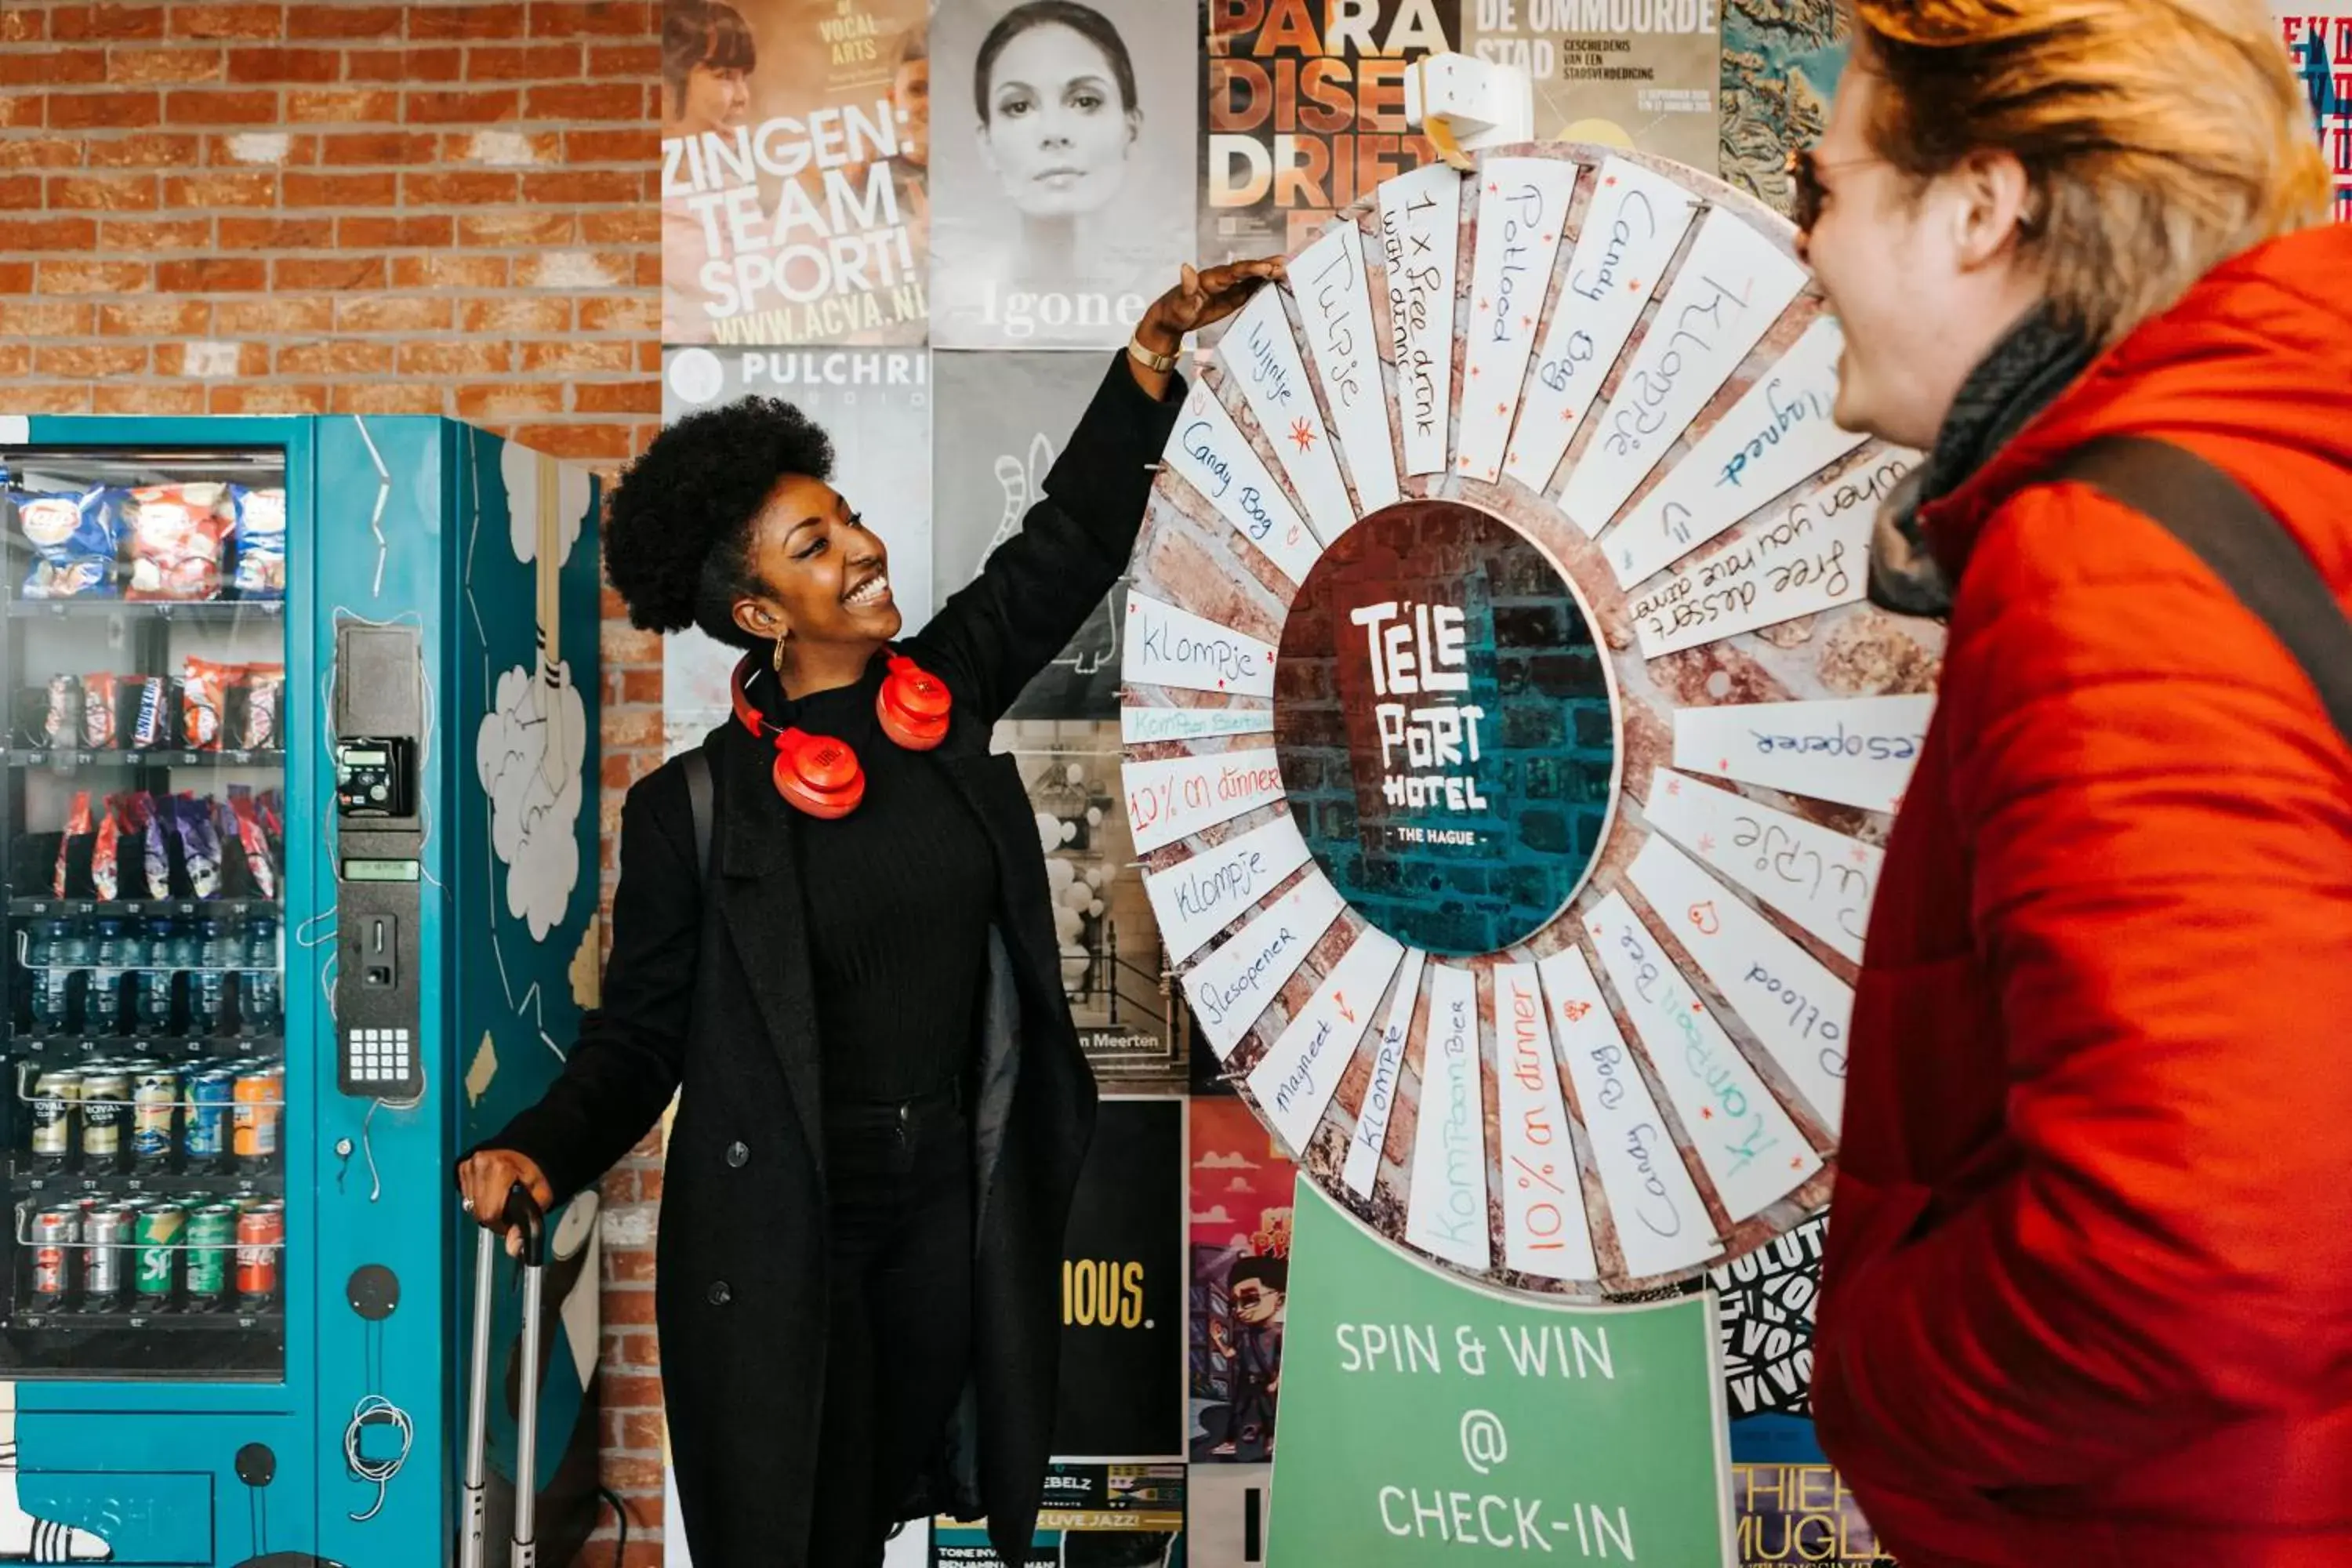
(820, 775)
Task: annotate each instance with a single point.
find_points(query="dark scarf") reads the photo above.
(2022, 376)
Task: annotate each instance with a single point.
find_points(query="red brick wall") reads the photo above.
(439, 209)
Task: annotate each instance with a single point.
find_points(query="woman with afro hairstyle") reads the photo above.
(883, 1105)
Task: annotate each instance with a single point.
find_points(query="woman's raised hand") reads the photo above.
(1198, 299)
(1203, 299)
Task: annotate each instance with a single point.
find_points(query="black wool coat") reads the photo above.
(710, 990)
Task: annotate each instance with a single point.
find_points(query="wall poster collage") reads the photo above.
(939, 286)
(2318, 36)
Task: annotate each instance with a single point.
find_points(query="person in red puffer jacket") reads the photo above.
(2088, 1293)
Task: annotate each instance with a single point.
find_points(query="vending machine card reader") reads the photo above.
(379, 720)
(376, 775)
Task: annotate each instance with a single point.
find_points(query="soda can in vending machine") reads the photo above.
(212, 1098)
(56, 1235)
(108, 1232)
(155, 1094)
(157, 1233)
(105, 1107)
(261, 1237)
(260, 1104)
(212, 1234)
(57, 1103)
(132, 1068)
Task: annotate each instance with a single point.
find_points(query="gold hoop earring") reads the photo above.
(777, 658)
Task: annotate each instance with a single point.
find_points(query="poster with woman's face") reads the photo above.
(1063, 140)
(795, 172)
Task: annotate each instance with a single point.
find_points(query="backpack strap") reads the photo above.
(2238, 540)
(698, 795)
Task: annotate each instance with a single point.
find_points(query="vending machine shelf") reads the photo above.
(213, 1347)
(72, 1045)
(185, 1319)
(26, 1174)
(89, 606)
(134, 907)
(65, 759)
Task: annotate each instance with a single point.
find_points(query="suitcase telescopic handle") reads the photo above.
(524, 1211)
(523, 1549)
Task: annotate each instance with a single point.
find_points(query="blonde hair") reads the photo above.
(2162, 137)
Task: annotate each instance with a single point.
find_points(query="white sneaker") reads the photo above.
(29, 1540)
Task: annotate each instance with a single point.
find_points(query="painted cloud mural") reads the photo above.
(534, 737)
(530, 768)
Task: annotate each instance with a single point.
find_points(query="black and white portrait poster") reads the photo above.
(1123, 1288)
(795, 171)
(1004, 418)
(1114, 968)
(876, 405)
(1064, 147)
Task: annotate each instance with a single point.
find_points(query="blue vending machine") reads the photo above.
(299, 850)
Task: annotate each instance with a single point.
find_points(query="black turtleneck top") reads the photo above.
(899, 895)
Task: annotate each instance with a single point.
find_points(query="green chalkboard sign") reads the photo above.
(1426, 1419)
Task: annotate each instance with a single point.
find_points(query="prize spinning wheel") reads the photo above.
(1507, 736)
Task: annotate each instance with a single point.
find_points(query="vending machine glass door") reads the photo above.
(142, 832)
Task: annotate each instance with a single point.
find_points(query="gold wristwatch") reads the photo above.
(1143, 356)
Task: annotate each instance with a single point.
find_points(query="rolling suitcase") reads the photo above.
(523, 1549)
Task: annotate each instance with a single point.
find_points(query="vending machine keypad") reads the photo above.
(380, 1062)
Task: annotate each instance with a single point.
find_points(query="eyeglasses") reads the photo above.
(1805, 174)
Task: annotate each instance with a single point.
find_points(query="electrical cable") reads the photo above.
(375, 1410)
(367, 1126)
(620, 1523)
